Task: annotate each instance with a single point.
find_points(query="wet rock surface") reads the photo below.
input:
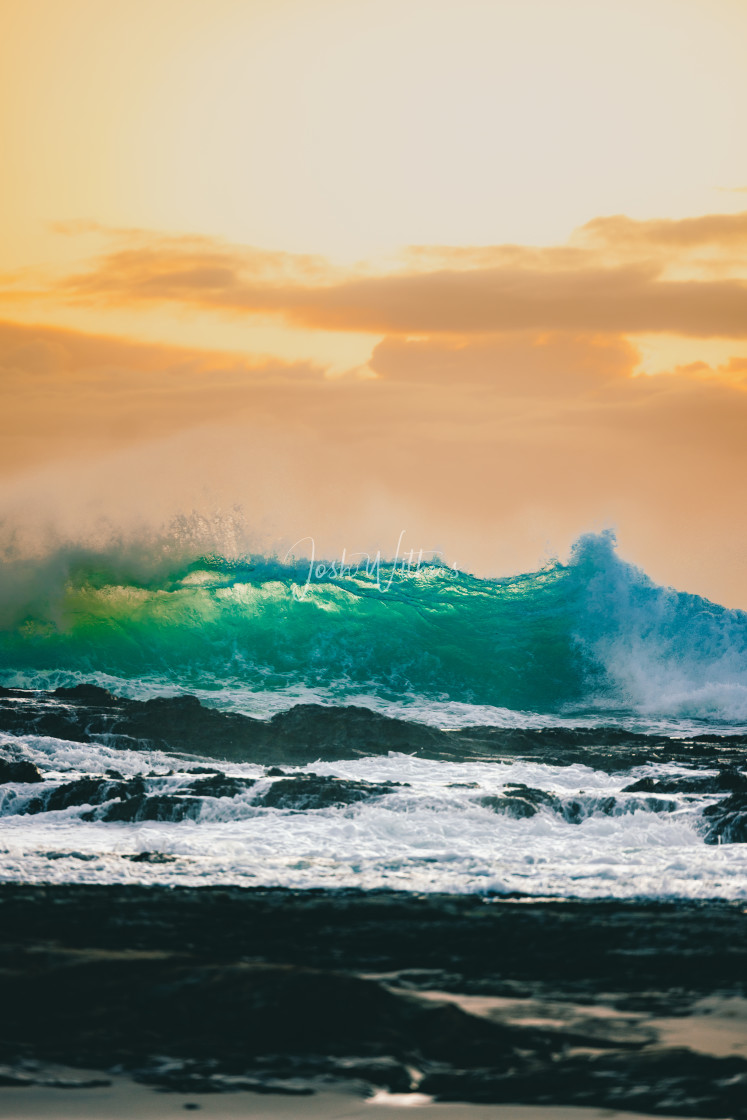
(520, 801)
(726, 781)
(114, 798)
(315, 791)
(308, 732)
(727, 821)
(18, 770)
(221, 785)
(515, 1001)
(660, 1081)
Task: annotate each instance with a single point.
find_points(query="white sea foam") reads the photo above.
(433, 834)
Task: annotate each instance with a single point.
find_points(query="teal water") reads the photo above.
(592, 633)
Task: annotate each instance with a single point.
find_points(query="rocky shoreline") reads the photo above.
(310, 732)
(458, 998)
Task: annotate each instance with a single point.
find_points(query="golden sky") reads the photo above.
(474, 270)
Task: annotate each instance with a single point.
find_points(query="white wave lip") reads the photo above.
(670, 655)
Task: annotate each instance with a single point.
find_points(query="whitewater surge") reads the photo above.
(389, 822)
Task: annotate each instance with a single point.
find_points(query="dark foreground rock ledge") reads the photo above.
(211, 989)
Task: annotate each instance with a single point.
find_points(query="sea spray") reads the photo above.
(569, 638)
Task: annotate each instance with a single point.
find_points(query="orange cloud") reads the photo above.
(515, 364)
(70, 394)
(486, 448)
(463, 291)
(723, 230)
(503, 407)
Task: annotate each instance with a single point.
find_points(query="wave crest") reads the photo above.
(593, 632)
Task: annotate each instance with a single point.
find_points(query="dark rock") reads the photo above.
(576, 810)
(385, 1072)
(193, 1076)
(20, 1076)
(131, 799)
(726, 781)
(151, 857)
(99, 1008)
(519, 801)
(727, 820)
(219, 980)
(83, 791)
(658, 1081)
(86, 694)
(495, 946)
(314, 791)
(18, 771)
(14, 1080)
(85, 857)
(221, 785)
(153, 807)
(75, 1083)
(308, 732)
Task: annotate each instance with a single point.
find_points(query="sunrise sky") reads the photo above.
(340, 268)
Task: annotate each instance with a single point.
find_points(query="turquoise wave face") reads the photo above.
(570, 636)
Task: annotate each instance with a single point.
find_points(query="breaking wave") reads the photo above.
(593, 633)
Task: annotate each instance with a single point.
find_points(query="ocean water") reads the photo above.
(581, 647)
